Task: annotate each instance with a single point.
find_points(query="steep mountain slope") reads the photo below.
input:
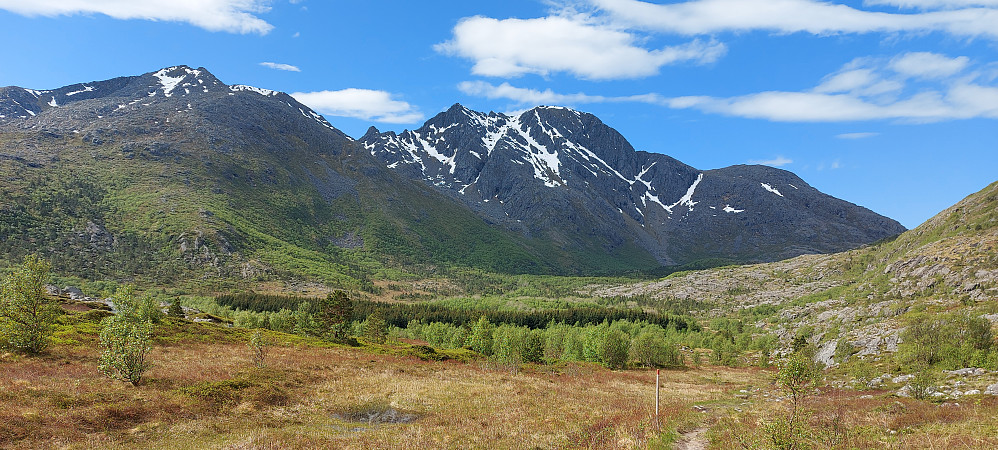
(864, 297)
(174, 175)
(565, 176)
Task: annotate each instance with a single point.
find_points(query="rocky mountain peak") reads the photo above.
(557, 171)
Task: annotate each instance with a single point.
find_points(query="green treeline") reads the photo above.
(615, 345)
(399, 314)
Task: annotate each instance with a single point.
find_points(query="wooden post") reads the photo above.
(657, 384)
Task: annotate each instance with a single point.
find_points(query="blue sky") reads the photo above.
(890, 104)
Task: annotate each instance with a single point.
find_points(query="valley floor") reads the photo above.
(205, 392)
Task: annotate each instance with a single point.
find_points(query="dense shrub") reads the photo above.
(125, 337)
(947, 341)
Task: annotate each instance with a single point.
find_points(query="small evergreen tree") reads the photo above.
(304, 321)
(335, 314)
(176, 310)
(376, 330)
(26, 312)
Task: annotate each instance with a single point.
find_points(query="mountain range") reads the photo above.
(568, 177)
(176, 175)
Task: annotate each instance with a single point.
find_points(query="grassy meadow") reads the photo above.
(204, 391)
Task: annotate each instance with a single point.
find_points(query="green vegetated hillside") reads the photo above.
(938, 280)
(99, 213)
(228, 189)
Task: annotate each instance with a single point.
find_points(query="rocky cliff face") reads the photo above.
(566, 176)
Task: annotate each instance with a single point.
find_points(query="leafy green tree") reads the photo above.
(134, 308)
(921, 386)
(651, 349)
(798, 377)
(554, 341)
(124, 348)
(607, 345)
(613, 351)
(948, 341)
(26, 312)
(507, 343)
(480, 338)
(533, 346)
(125, 338)
(923, 341)
(574, 345)
(283, 321)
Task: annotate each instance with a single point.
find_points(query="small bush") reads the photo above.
(125, 338)
(124, 346)
(258, 346)
(921, 387)
(176, 310)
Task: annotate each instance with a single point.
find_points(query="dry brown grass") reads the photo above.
(202, 394)
(850, 419)
(204, 391)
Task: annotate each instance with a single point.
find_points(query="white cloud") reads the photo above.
(697, 17)
(526, 96)
(235, 16)
(514, 47)
(863, 135)
(966, 101)
(865, 89)
(280, 66)
(928, 65)
(609, 39)
(778, 161)
(366, 104)
(871, 89)
(932, 4)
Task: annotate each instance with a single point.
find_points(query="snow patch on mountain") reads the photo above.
(170, 83)
(687, 199)
(544, 161)
(85, 89)
(771, 189)
(261, 91)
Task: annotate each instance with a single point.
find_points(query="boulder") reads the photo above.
(73, 292)
(826, 353)
(967, 372)
(901, 378)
